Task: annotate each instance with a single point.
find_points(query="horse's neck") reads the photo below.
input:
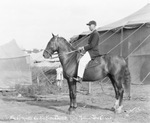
(65, 49)
(65, 53)
(68, 58)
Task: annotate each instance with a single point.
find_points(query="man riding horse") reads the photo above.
(91, 50)
(112, 66)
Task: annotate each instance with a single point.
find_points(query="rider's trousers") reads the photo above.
(82, 64)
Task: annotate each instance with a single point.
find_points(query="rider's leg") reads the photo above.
(82, 64)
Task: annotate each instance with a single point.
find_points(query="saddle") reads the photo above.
(94, 62)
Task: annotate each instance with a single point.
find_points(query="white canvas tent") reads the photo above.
(141, 16)
(14, 66)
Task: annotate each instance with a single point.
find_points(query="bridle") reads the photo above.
(48, 52)
(60, 53)
(63, 53)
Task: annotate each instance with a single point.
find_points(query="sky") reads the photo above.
(31, 22)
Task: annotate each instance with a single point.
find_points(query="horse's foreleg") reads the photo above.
(72, 94)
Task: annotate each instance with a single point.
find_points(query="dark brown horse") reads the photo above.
(113, 67)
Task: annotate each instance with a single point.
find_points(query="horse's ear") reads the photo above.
(53, 35)
(57, 35)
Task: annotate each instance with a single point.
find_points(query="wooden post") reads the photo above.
(121, 45)
(37, 80)
(89, 90)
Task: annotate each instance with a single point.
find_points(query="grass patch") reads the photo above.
(43, 83)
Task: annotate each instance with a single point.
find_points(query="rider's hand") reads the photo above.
(81, 48)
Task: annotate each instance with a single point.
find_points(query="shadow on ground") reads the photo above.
(56, 104)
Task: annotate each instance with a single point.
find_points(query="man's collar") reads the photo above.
(93, 31)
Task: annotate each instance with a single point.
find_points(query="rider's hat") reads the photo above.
(91, 22)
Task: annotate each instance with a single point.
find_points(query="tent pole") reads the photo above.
(121, 41)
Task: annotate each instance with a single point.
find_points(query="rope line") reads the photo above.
(145, 77)
(136, 61)
(81, 41)
(99, 43)
(110, 36)
(138, 46)
(85, 38)
(45, 76)
(126, 38)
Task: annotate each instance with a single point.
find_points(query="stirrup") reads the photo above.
(78, 79)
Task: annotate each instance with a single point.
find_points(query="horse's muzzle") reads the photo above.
(47, 55)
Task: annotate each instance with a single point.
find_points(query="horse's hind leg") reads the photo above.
(116, 92)
(120, 94)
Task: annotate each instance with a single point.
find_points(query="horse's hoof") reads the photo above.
(113, 109)
(71, 110)
(119, 110)
(129, 98)
(75, 107)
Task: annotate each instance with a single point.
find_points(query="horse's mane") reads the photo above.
(67, 43)
(72, 56)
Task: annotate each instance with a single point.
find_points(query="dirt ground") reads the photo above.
(93, 108)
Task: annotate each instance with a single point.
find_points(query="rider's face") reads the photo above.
(91, 27)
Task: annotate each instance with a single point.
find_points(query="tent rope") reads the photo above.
(145, 77)
(136, 61)
(45, 76)
(99, 36)
(138, 46)
(126, 38)
(81, 41)
(98, 44)
(109, 36)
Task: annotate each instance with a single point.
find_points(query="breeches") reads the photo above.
(82, 64)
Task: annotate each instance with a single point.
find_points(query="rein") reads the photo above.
(63, 53)
(71, 51)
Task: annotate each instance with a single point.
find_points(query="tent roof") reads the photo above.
(11, 50)
(141, 16)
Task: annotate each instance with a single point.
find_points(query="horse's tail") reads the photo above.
(127, 81)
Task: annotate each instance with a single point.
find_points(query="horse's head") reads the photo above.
(51, 47)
